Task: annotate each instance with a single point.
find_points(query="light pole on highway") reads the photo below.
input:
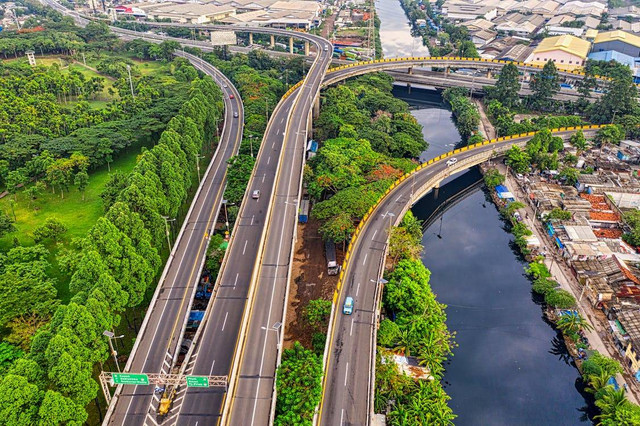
(111, 335)
(275, 327)
(226, 217)
(391, 215)
(166, 227)
(251, 143)
(198, 158)
(130, 81)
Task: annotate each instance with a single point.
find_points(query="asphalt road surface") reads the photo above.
(276, 174)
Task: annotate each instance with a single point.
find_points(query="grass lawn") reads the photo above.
(76, 214)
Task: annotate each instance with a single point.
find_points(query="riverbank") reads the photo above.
(599, 337)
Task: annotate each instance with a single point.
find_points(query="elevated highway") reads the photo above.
(351, 343)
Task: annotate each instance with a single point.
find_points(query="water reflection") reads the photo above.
(395, 31)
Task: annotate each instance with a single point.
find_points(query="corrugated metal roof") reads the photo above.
(566, 43)
(618, 35)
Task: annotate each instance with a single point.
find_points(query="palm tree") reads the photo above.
(570, 324)
(598, 382)
(609, 403)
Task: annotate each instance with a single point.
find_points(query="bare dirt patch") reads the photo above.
(309, 281)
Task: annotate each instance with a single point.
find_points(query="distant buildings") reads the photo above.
(566, 51)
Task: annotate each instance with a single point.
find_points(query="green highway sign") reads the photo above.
(197, 382)
(130, 379)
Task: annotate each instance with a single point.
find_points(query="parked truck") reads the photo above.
(303, 213)
(332, 262)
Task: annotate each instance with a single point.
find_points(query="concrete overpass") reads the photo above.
(348, 384)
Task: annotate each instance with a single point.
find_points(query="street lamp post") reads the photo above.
(251, 143)
(226, 216)
(277, 327)
(166, 227)
(111, 335)
(391, 215)
(198, 158)
(130, 81)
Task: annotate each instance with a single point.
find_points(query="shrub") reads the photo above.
(559, 298)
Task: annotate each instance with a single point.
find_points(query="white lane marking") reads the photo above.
(346, 372)
(281, 120)
(225, 321)
(374, 235)
(351, 330)
(252, 217)
(268, 160)
(273, 144)
(365, 258)
(357, 289)
(245, 247)
(264, 176)
(398, 199)
(211, 371)
(236, 281)
(277, 132)
(341, 417)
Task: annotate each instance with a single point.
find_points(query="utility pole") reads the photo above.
(130, 81)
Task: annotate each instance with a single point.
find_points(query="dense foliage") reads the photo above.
(115, 266)
(465, 113)
(418, 329)
(369, 140)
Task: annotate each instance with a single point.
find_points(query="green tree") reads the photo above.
(338, 228)
(19, 401)
(518, 159)
(6, 224)
(544, 285)
(15, 179)
(569, 175)
(609, 135)
(559, 214)
(51, 228)
(507, 87)
(81, 181)
(579, 141)
(408, 288)
(545, 85)
(299, 386)
(57, 409)
(493, 178)
(538, 270)
(317, 313)
(573, 323)
(559, 298)
(619, 98)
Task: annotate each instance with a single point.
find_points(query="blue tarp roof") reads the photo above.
(196, 315)
(501, 188)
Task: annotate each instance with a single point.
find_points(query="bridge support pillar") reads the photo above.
(250, 39)
(306, 48)
(273, 41)
(290, 44)
(409, 88)
(410, 71)
(446, 70)
(489, 74)
(316, 107)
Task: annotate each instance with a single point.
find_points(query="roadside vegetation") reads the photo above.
(415, 325)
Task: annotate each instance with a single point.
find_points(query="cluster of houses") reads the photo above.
(567, 32)
(272, 13)
(591, 243)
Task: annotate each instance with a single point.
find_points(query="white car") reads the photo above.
(452, 161)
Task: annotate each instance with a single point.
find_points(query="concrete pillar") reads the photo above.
(489, 73)
(290, 44)
(446, 70)
(410, 70)
(306, 48)
(250, 39)
(409, 88)
(273, 41)
(316, 107)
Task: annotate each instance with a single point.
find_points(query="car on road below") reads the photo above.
(231, 96)
(347, 309)
(452, 161)
(256, 194)
(326, 48)
(235, 114)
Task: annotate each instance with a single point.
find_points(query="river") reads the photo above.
(510, 367)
